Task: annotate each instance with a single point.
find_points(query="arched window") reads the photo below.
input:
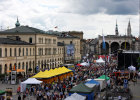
(10, 67)
(10, 52)
(5, 68)
(30, 40)
(18, 65)
(23, 65)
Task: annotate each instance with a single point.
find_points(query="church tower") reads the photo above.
(129, 29)
(17, 23)
(116, 29)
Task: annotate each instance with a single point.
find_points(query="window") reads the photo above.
(5, 52)
(45, 41)
(15, 52)
(33, 51)
(0, 69)
(45, 51)
(30, 51)
(23, 51)
(54, 51)
(49, 51)
(49, 40)
(10, 52)
(54, 41)
(26, 51)
(30, 40)
(0, 52)
(19, 51)
(23, 65)
(18, 65)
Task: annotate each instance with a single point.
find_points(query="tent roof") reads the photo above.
(76, 96)
(103, 77)
(81, 88)
(100, 60)
(31, 81)
(52, 72)
(2, 92)
(92, 82)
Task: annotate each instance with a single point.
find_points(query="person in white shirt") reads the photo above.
(119, 97)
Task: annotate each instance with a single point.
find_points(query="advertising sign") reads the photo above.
(13, 77)
(70, 50)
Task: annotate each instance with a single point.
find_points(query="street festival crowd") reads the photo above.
(59, 90)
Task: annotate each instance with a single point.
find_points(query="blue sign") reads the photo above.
(37, 67)
(125, 81)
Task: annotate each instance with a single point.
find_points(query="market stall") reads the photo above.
(76, 96)
(28, 81)
(83, 90)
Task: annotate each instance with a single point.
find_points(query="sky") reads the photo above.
(93, 17)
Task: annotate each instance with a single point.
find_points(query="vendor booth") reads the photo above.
(54, 74)
(76, 96)
(100, 60)
(29, 81)
(83, 90)
(102, 83)
(2, 95)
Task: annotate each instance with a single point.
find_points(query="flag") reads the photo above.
(104, 46)
(125, 45)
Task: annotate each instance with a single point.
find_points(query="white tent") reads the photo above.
(132, 68)
(76, 96)
(84, 64)
(28, 81)
(100, 60)
(90, 85)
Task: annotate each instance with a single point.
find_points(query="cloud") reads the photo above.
(89, 16)
(113, 7)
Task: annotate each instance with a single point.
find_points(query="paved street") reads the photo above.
(135, 89)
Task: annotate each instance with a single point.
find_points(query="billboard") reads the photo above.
(70, 50)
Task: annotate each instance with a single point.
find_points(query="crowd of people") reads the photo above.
(59, 90)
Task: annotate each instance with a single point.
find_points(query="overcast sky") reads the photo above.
(89, 16)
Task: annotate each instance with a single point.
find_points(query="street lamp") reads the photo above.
(133, 48)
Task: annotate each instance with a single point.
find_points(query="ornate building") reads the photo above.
(116, 42)
(31, 48)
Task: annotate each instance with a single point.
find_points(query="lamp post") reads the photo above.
(133, 48)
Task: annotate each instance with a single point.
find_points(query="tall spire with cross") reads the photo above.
(116, 29)
(129, 29)
(17, 23)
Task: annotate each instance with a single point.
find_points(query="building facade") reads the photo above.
(32, 49)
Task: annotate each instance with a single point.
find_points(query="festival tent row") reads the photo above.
(89, 88)
(83, 90)
(53, 74)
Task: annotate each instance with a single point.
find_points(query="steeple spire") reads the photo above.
(116, 29)
(17, 23)
(129, 29)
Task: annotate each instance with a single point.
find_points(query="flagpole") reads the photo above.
(104, 47)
